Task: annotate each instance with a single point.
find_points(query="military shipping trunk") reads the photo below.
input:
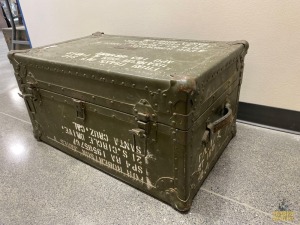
(155, 113)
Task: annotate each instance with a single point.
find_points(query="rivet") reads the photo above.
(65, 101)
(168, 111)
(154, 125)
(153, 115)
(93, 76)
(113, 116)
(122, 83)
(93, 97)
(112, 81)
(153, 140)
(69, 72)
(174, 114)
(95, 110)
(49, 85)
(135, 110)
(133, 85)
(84, 75)
(170, 103)
(175, 168)
(173, 122)
(111, 102)
(62, 89)
(173, 132)
(155, 105)
(158, 90)
(164, 95)
(146, 87)
(52, 97)
(152, 93)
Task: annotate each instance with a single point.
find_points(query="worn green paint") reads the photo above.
(155, 113)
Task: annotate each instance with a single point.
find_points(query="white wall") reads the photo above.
(272, 72)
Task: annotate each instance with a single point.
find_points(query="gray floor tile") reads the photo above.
(41, 185)
(12, 104)
(260, 167)
(6, 69)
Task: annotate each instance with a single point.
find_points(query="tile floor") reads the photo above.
(41, 185)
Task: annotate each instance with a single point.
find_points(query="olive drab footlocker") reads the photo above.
(155, 113)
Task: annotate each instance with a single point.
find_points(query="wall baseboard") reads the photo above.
(269, 117)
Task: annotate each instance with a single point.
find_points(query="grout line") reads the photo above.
(243, 204)
(24, 121)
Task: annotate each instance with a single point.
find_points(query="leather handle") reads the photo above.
(218, 124)
(223, 121)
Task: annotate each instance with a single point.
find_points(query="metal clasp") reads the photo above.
(140, 133)
(80, 109)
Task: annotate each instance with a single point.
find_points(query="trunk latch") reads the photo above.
(80, 109)
(140, 133)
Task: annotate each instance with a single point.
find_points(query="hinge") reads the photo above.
(32, 95)
(80, 109)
